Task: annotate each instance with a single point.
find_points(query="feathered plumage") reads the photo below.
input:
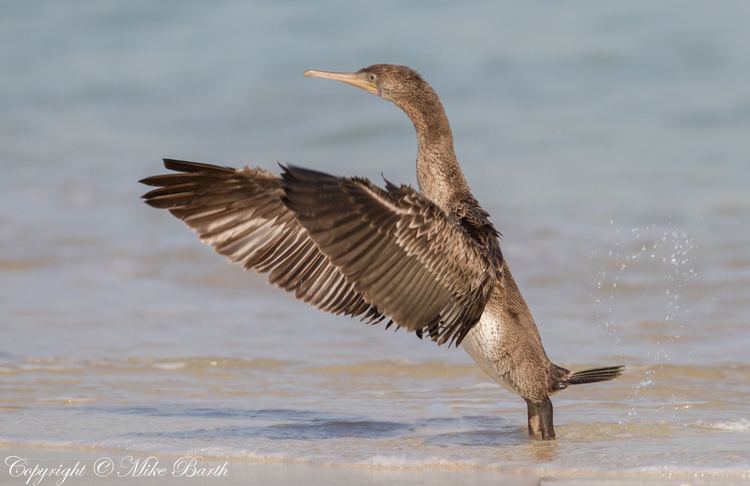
(430, 261)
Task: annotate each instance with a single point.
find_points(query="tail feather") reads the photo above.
(594, 375)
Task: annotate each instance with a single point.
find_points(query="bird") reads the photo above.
(426, 260)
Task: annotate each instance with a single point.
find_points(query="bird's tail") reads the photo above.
(593, 375)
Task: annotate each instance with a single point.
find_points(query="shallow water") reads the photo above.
(607, 141)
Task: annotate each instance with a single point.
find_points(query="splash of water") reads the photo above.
(653, 266)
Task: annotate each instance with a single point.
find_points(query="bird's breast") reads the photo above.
(484, 343)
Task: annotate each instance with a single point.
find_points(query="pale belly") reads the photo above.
(483, 344)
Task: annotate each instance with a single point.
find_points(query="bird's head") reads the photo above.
(405, 88)
(391, 82)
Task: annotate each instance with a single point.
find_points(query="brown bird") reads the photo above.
(428, 260)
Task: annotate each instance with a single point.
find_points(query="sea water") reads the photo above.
(608, 142)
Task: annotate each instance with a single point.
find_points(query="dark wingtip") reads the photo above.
(288, 177)
(187, 166)
(303, 173)
(289, 171)
(174, 164)
(185, 171)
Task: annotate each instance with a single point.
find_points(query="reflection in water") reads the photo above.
(542, 451)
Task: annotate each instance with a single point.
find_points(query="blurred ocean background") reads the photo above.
(609, 142)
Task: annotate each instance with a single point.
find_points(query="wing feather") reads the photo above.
(239, 212)
(403, 254)
(343, 245)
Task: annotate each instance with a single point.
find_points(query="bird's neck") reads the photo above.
(438, 173)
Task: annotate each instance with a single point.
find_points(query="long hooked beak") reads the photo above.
(355, 79)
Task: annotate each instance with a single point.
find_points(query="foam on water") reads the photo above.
(740, 425)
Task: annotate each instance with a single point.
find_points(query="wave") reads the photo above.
(384, 367)
(739, 425)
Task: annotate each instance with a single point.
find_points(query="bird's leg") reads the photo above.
(534, 427)
(540, 419)
(545, 414)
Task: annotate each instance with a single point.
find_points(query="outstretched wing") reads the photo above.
(239, 212)
(403, 253)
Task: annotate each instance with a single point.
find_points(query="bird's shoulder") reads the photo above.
(467, 214)
(475, 222)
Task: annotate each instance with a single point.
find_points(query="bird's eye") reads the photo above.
(372, 77)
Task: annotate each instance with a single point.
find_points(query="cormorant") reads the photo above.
(428, 260)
